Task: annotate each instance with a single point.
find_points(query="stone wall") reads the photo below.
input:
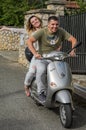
(9, 40)
(14, 39)
(22, 59)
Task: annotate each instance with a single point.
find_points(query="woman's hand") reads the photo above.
(38, 56)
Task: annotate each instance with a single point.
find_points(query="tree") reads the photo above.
(81, 9)
(82, 5)
(12, 11)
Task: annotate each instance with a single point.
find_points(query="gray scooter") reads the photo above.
(59, 86)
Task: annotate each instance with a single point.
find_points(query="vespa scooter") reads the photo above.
(59, 87)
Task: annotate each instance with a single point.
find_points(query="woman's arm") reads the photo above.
(30, 42)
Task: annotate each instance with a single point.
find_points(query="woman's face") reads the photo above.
(35, 22)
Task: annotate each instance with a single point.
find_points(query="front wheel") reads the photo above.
(65, 111)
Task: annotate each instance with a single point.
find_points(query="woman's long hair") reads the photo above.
(29, 26)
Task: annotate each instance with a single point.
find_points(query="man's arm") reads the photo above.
(73, 41)
(30, 42)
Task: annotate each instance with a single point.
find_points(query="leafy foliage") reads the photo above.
(82, 8)
(12, 11)
(36, 4)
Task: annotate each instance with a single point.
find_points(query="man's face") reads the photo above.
(53, 26)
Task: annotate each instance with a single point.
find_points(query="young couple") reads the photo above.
(49, 39)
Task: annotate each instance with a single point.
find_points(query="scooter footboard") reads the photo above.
(63, 96)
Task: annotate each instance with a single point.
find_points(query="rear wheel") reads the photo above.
(65, 111)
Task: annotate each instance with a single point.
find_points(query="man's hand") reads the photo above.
(72, 40)
(59, 48)
(73, 53)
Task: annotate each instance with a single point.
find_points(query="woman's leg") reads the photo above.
(29, 76)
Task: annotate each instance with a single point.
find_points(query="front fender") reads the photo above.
(63, 96)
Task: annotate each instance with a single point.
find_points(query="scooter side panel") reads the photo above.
(59, 73)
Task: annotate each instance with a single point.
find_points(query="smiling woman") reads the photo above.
(34, 23)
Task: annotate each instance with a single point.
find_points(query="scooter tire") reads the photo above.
(65, 112)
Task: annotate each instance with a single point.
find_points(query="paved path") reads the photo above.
(10, 55)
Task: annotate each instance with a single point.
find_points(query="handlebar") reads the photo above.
(61, 55)
(77, 45)
(57, 58)
(58, 55)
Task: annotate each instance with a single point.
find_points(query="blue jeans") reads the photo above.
(39, 68)
(41, 72)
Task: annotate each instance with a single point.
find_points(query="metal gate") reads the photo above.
(76, 25)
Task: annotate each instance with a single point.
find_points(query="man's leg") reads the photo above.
(41, 76)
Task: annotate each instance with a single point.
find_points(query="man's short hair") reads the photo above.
(53, 18)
